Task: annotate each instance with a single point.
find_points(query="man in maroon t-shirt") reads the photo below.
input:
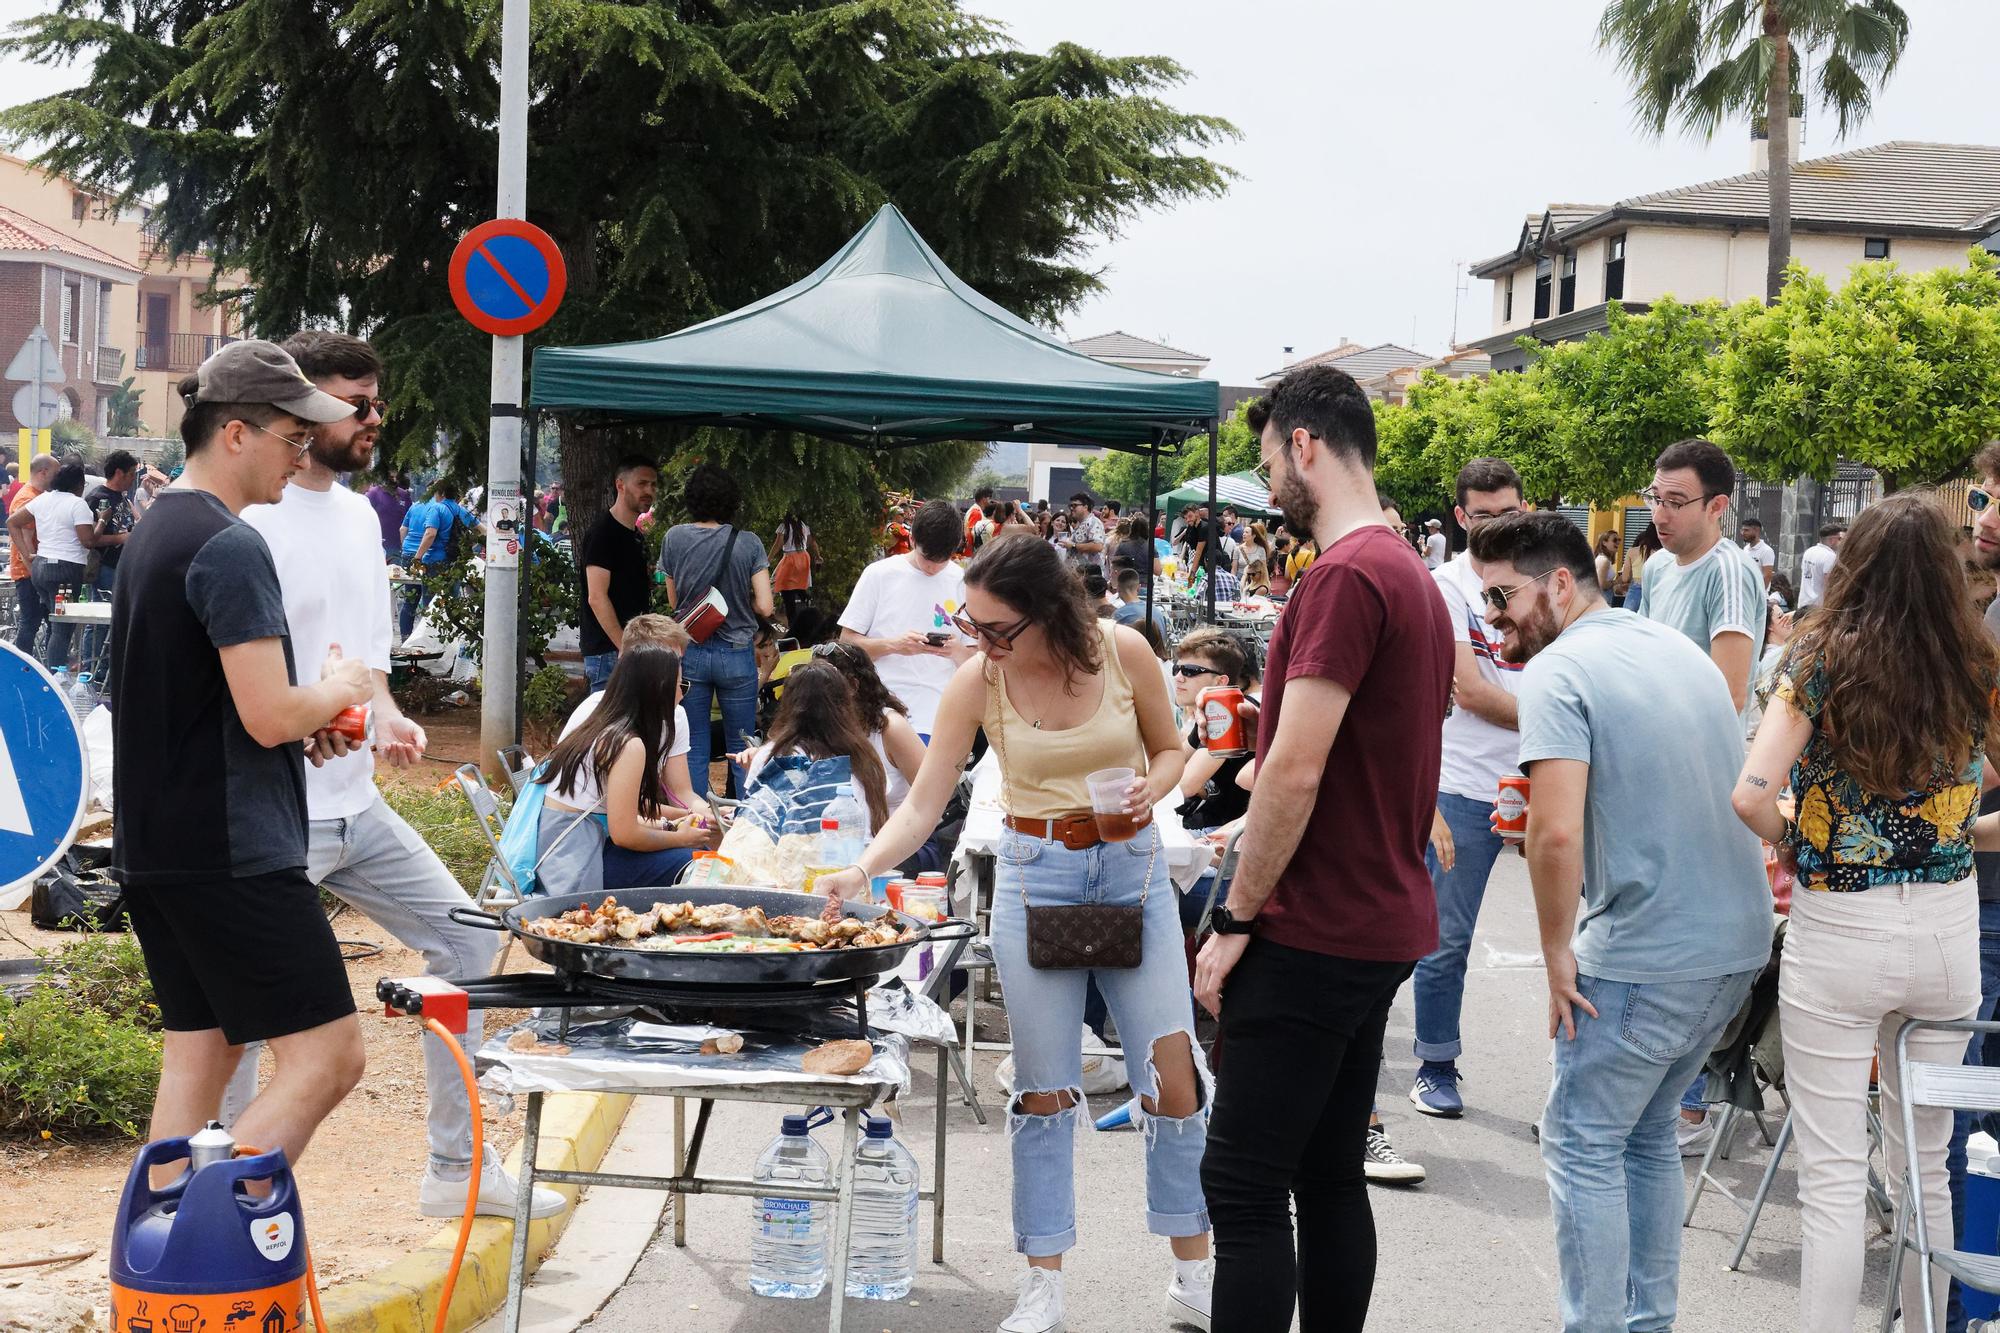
(1332, 905)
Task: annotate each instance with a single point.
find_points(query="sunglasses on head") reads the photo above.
(998, 637)
(1497, 598)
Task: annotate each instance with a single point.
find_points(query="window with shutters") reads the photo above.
(1544, 276)
(72, 305)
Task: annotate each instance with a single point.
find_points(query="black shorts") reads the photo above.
(253, 956)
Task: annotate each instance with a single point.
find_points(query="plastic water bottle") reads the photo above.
(843, 829)
(882, 1256)
(63, 683)
(82, 696)
(788, 1251)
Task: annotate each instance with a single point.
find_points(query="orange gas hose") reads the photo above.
(471, 1190)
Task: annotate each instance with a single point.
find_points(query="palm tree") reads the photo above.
(1699, 63)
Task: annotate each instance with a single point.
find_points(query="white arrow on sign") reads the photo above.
(13, 808)
(37, 362)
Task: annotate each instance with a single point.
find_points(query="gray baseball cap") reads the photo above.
(255, 371)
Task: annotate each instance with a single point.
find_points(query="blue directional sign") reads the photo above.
(44, 770)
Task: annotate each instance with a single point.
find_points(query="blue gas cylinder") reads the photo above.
(205, 1255)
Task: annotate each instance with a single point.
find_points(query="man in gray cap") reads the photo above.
(209, 790)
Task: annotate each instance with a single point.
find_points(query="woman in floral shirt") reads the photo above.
(1880, 722)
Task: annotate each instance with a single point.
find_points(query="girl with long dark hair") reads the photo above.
(1880, 721)
(818, 720)
(616, 812)
(1061, 693)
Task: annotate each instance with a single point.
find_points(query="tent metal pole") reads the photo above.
(1152, 490)
(1213, 526)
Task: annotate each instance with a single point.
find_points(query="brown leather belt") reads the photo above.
(1078, 831)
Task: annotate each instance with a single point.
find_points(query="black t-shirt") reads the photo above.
(113, 510)
(611, 545)
(196, 799)
(1221, 800)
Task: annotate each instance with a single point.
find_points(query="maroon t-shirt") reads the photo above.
(1366, 616)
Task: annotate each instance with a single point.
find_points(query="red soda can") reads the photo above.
(352, 722)
(1221, 724)
(1512, 806)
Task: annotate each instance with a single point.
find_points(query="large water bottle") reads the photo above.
(843, 829)
(788, 1251)
(63, 683)
(82, 696)
(882, 1254)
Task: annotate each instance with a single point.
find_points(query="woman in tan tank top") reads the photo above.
(1062, 694)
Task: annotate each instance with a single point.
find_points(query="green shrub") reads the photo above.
(80, 1053)
(546, 698)
(443, 819)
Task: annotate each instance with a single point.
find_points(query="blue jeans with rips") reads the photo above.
(1614, 1167)
(1439, 985)
(1982, 1050)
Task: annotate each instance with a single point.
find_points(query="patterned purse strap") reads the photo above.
(996, 707)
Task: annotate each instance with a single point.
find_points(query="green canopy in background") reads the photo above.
(1241, 489)
(882, 345)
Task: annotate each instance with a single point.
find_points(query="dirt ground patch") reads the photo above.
(359, 1180)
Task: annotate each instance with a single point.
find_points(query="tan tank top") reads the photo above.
(1044, 769)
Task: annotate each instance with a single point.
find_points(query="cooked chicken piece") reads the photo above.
(845, 929)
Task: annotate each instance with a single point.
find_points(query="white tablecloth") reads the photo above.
(1186, 858)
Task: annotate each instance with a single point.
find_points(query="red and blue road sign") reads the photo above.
(507, 277)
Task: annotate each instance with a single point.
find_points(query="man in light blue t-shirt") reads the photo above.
(1707, 588)
(1633, 748)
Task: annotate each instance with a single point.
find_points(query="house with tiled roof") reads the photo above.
(1122, 349)
(1922, 205)
(1393, 386)
(56, 281)
(1360, 362)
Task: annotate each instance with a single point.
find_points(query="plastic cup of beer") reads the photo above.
(1107, 802)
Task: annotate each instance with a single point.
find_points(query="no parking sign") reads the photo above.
(507, 277)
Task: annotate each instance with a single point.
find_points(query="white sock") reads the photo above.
(1188, 1269)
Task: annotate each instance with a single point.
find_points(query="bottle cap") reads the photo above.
(795, 1126)
(827, 825)
(880, 1127)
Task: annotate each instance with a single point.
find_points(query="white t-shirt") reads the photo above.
(587, 794)
(1476, 752)
(893, 597)
(894, 785)
(1813, 570)
(327, 546)
(1760, 551)
(1434, 550)
(57, 514)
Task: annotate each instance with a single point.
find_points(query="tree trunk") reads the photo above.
(588, 457)
(1778, 138)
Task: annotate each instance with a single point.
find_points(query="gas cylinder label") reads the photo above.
(273, 1236)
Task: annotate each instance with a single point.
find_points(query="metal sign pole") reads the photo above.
(498, 659)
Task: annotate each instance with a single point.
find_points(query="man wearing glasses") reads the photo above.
(325, 542)
(209, 789)
(1675, 912)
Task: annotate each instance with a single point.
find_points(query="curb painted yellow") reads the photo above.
(577, 1129)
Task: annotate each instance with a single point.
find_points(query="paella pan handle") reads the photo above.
(472, 916)
(952, 928)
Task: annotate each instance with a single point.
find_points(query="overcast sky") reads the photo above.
(1385, 144)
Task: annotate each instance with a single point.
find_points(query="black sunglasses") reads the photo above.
(363, 405)
(999, 638)
(1497, 598)
(1190, 670)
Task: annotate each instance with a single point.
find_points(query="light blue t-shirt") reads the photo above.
(1721, 591)
(1673, 883)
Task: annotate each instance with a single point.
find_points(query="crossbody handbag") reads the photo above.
(702, 616)
(1082, 934)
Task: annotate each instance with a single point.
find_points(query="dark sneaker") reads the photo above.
(1384, 1165)
(1436, 1092)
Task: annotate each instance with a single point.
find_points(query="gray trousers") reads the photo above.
(378, 865)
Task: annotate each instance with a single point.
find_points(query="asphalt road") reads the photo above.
(1471, 1248)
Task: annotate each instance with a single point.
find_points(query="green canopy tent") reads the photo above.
(1240, 489)
(881, 346)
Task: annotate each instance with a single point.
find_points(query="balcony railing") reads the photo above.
(110, 365)
(179, 351)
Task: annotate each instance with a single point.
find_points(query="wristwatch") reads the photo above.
(1223, 922)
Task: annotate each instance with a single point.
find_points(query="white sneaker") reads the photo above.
(1188, 1298)
(1695, 1135)
(497, 1189)
(1384, 1165)
(1039, 1308)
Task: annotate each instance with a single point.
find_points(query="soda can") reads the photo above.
(1512, 806)
(1221, 724)
(353, 722)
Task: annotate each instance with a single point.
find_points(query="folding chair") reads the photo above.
(519, 764)
(1957, 1087)
(497, 887)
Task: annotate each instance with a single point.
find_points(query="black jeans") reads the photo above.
(1301, 1040)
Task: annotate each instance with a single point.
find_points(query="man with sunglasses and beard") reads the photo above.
(326, 542)
(1331, 906)
(1675, 912)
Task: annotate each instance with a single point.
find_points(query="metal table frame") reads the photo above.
(848, 1098)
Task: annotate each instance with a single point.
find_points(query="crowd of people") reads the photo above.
(1843, 731)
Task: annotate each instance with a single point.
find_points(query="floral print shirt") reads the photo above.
(1850, 839)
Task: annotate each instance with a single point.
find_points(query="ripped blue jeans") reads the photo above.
(1045, 1016)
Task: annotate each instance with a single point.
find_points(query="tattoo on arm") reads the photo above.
(1754, 780)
